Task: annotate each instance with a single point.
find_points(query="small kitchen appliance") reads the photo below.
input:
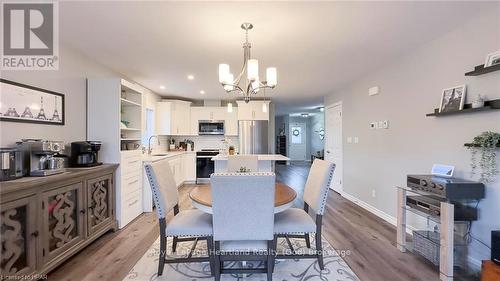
(42, 157)
(85, 153)
(11, 164)
(210, 127)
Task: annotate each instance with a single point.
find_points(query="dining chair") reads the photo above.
(243, 221)
(235, 162)
(297, 223)
(187, 225)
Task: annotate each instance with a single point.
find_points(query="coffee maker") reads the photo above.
(11, 164)
(85, 153)
(42, 157)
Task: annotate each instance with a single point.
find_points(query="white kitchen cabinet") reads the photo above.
(212, 114)
(252, 110)
(175, 166)
(189, 167)
(231, 123)
(173, 118)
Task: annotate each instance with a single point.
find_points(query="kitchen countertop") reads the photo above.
(261, 157)
(157, 156)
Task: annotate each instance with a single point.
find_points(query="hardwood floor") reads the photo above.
(370, 240)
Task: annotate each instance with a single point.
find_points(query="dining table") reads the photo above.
(201, 197)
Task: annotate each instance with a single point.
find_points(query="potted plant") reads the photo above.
(231, 150)
(485, 145)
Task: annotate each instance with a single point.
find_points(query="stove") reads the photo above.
(204, 164)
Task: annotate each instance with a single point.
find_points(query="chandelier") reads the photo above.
(249, 72)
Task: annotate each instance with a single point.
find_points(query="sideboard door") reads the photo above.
(63, 216)
(99, 203)
(18, 235)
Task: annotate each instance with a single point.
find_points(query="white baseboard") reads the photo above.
(473, 264)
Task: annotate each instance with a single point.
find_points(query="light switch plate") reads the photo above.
(356, 140)
(349, 139)
(373, 91)
(373, 125)
(385, 124)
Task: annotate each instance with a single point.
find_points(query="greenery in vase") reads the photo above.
(483, 156)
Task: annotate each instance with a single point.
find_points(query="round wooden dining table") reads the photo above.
(201, 197)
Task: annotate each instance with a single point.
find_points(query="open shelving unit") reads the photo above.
(480, 70)
(130, 116)
(468, 109)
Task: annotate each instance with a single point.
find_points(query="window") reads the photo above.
(149, 126)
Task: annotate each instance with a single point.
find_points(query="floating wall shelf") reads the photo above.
(475, 145)
(480, 70)
(488, 106)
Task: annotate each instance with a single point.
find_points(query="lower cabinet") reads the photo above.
(45, 225)
(100, 198)
(18, 232)
(62, 222)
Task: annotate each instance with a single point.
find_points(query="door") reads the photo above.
(18, 231)
(63, 216)
(99, 203)
(333, 144)
(298, 142)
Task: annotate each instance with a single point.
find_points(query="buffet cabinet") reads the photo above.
(45, 221)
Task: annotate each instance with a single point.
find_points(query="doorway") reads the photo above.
(298, 142)
(333, 143)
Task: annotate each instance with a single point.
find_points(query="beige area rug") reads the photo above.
(298, 270)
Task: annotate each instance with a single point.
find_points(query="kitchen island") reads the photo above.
(266, 162)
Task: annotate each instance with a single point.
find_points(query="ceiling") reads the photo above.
(317, 46)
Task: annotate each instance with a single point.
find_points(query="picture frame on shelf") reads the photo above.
(492, 59)
(452, 99)
(24, 103)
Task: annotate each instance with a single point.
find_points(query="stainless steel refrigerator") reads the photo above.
(253, 137)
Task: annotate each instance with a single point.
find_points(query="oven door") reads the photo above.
(204, 167)
(211, 127)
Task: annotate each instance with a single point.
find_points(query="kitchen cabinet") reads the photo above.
(189, 167)
(252, 110)
(215, 113)
(173, 118)
(45, 221)
(210, 113)
(175, 166)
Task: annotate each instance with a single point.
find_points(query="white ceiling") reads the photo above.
(316, 46)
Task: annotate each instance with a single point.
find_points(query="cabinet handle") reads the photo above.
(132, 162)
(135, 201)
(133, 182)
(35, 233)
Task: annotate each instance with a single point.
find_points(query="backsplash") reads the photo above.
(200, 142)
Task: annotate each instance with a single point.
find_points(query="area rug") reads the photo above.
(300, 270)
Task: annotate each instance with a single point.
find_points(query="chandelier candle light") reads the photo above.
(251, 69)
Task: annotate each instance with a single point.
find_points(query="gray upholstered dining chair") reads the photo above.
(243, 221)
(187, 225)
(297, 223)
(235, 162)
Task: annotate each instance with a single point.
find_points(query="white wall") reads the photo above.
(69, 80)
(411, 87)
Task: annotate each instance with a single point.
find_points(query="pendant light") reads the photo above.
(229, 107)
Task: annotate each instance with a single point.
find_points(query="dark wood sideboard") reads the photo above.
(46, 220)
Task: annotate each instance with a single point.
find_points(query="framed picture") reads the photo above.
(452, 99)
(23, 103)
(492, 59)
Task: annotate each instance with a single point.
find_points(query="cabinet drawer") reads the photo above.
(130, 184)
(131, 165)
(131, 206)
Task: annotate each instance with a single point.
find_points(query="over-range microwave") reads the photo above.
(207, 127)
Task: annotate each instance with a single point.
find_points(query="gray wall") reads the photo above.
(411, 87)
(69, 80)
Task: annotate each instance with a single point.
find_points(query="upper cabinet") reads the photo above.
(253, 110)
(173, 118)
(213, 113)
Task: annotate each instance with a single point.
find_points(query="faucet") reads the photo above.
(150, 150)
